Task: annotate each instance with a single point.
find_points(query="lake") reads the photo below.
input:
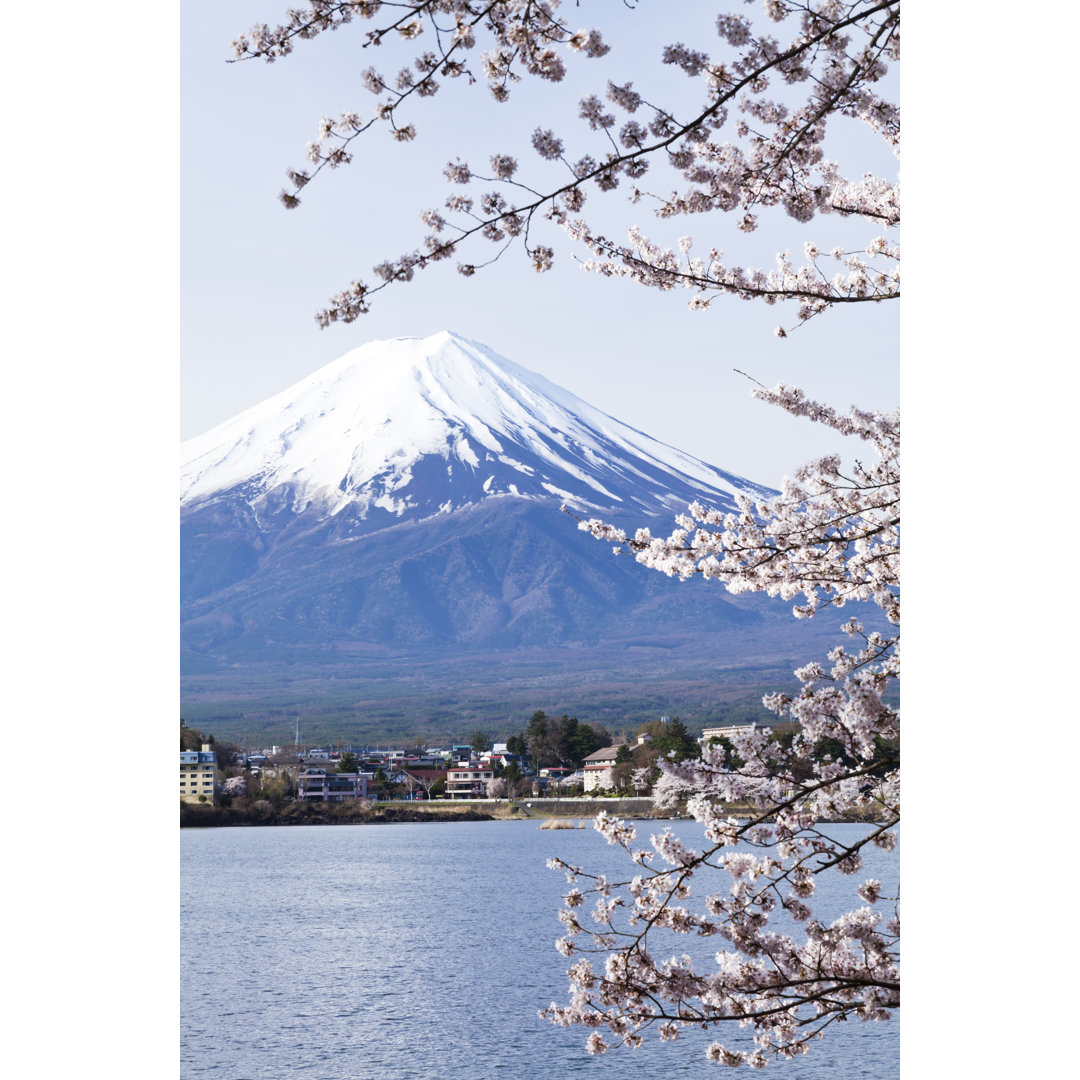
(422, 951)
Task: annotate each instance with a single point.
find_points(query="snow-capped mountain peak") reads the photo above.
(416, 426)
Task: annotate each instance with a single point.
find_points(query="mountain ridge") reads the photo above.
(401, 507)
(427, 425)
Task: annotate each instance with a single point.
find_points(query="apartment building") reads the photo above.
(318, 785)
(197, 770)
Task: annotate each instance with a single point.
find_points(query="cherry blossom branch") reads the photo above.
(785, 989)
(784, 167)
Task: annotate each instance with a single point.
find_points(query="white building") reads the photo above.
(598, 767)
(468, 781)
(723, 732)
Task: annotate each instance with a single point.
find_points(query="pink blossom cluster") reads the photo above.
(747, 147)
(829, 537)
(650, 264)
(234, 785)
(788, 987)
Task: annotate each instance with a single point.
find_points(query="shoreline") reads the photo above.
(195, 816)
(295, 812)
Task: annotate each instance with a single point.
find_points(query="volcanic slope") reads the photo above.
(403, 502)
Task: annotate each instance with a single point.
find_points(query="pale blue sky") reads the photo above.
(254, 274)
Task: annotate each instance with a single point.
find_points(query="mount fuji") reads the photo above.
(400, 430)
(400, 508)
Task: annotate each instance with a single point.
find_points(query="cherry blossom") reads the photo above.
(828, 539)
(756, 139)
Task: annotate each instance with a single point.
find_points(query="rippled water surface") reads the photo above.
(421, 952)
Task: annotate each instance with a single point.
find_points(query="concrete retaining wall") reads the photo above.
(589, 808)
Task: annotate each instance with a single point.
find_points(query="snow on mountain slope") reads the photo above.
(416, 426)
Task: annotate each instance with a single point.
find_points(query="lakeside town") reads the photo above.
(544, 761)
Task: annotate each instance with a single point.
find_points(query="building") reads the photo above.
(598, 766)
(317, 785)
(197, 772)
(468, 781)
(723, 732)
(555, 772)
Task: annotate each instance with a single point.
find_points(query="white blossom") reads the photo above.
(743, 149)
